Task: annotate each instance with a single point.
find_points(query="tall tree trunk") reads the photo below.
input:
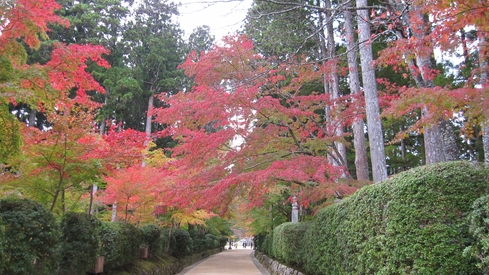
(103, 125)
(374, 124)
(439, 138)
(150, 110)
(403, 154)
(334, 81)
(148, 120)
(32, 118)
(359, 142)
(449, 138)
(484, 82)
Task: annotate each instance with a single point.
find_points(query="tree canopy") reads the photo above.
(121, 100)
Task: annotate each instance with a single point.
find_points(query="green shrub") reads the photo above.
(31, 238)
(278, 242)
(259, 241)
(223, 240)
(152, 239)
(211, 241)
(2, 245)
(79, 243)
(182, 243)
(119, 243)
(478, 221)
(413, 223)
(167, 236)
(288, 242)
(264, 243)
(198, 242)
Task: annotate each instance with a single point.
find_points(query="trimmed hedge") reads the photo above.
(152, 239)
(31, 242)
(2, 246)
(79, 243)
(479, 228)
(287, 243)
(31, 237)
(263, 243)
(119, 243)
(182, 243)
(413, 223)
(416, 222)
(198, 242)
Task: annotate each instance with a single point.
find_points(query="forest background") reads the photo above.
(105, 106)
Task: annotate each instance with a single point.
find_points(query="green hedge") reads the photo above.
(287, 242)
(31, 238)
(182, 243)
(2, 246)
(152, 238)
(198, 242)
(31, 242)
(263, 243)
(413, 223)
(79, 243)
(167, 236)
(119, 243)
(479, 228)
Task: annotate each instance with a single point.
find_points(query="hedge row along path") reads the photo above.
(235, 261)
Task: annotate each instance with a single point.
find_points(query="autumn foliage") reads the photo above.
(249, 127)
(442, 26)
(246, 126)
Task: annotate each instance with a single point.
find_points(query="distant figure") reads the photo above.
(244, 245)
(251, 245)
(236, 245)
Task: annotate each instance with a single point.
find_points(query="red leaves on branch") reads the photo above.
(247, 126)
(133, 190)
(119, 148)
(429, 27)
(67, 68)
(27, 19)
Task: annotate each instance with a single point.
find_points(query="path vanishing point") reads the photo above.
(229, 262)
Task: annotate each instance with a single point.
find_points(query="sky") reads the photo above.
(222, 16)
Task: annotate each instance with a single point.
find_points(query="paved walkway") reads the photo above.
(236, 262)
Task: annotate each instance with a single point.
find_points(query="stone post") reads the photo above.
(295, 210)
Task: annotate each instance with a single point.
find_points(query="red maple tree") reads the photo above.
(245, 127)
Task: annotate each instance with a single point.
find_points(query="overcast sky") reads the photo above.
(223, 17)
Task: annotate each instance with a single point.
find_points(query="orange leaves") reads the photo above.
(133, 189)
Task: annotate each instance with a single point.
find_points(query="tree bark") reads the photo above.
(148, 115)
(374, 124)
(334, 81)
(32, 118)
(484, 82)
(359, 142)
(439, 137)
(148, 120)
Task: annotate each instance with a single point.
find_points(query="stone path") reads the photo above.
(228, 262)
